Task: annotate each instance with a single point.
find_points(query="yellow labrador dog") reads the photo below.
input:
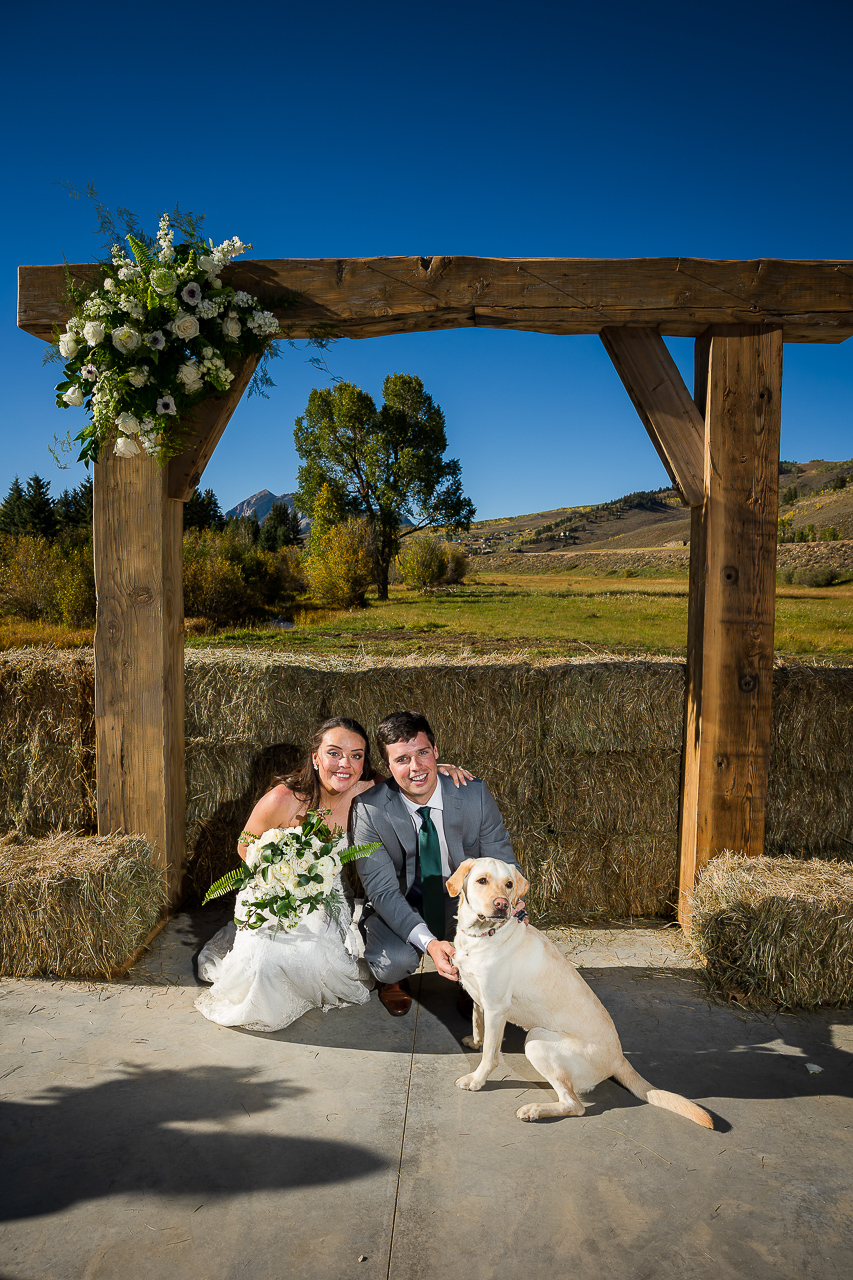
(513, 973)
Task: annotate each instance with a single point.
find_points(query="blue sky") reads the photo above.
(543, 129)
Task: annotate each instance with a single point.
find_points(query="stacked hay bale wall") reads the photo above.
(583, 757)
(76, 906)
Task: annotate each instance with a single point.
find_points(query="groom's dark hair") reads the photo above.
(401, 726)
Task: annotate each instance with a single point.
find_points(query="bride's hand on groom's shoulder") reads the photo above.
(456, 774)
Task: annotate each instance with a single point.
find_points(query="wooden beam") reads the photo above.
(689, 799)
(665, 406)
(366, 297)
(209, 421)
(725, 786)
(139, 659)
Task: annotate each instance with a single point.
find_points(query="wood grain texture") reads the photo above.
(366, 297)
(740, 513)
(208, 421)
(665, 406)
(689, 798)
(139, 659)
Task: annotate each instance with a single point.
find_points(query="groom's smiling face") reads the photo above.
(414, 767)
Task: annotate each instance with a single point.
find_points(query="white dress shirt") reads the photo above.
(421, 936)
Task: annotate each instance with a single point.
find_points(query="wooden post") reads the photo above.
(139, 658)
(732, 601)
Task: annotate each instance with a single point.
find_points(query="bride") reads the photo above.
(264, 979)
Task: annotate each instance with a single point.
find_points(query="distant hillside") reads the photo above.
(260, 504)
(807, 496)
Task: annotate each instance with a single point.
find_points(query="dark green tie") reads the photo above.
(432, 884)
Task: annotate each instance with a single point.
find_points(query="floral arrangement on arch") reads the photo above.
(154, 338)
(288, 873)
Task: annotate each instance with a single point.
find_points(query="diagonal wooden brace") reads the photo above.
(208, 422)
(666, 408)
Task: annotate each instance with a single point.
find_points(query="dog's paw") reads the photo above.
(471, 1042)
(469, 1082)
(530, 1112)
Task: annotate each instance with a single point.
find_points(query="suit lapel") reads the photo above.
(398, 816)
(452, 799)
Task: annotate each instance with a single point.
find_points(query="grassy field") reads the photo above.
(557, 616)
(554, 615)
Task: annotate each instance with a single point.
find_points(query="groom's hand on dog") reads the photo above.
(443, 953)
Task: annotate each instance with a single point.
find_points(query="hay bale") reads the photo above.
(812, 719)
(75, 906)
(613, 706)
(610, 877)
(47, 766)
(776, 929)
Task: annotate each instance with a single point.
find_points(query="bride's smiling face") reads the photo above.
(339, 760)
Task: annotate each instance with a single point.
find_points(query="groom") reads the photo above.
(426, 827)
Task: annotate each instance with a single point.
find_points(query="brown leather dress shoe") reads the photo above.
(395, 997)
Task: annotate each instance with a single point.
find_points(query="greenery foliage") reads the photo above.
(431, 562)
(228, 576)
(280, 528)
(340, 567)
(385, 465)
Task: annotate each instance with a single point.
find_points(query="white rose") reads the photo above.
(231, 327)
(126, 339)
(125, 447)
(94, 332)
(73, 396)
(68, 345)
(208, 264)
(184, 326)
(189, 376)
(127, 424)
(138, 376)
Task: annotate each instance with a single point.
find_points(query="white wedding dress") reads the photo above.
(264, 980)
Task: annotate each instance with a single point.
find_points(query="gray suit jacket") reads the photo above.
(473, 828)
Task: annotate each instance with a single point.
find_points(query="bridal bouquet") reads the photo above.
(288, 873)
(154, 338)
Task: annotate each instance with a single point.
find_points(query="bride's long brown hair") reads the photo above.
(304, 781)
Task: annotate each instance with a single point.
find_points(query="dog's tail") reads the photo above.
(627, 1076)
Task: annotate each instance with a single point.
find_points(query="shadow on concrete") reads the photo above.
(136, 1134)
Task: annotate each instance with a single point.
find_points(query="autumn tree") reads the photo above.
(385, 465)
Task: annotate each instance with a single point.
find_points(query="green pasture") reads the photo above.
(553, 616)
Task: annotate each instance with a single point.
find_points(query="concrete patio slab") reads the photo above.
(142, 1142)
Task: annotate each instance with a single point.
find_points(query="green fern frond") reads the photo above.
(140, 253)
(233, 880)
(357, 851)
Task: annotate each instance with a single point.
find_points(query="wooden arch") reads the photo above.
(720, 446)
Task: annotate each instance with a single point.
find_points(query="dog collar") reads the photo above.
(488, 933)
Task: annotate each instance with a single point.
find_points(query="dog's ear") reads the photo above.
(456, 881)
(520, 885)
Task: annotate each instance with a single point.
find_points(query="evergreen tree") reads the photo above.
(280, 528)
(12, 510)
(203, 511)
(39, 519)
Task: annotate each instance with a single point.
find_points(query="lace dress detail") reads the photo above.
(264, 980)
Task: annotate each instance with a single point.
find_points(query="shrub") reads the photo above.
(340, 566)
(430, 562)
(75, 591)
(214, 587)
(818, 576)
(30, 568)
(423, 562)
(457, 563)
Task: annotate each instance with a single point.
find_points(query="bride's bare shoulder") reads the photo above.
(278, 807)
